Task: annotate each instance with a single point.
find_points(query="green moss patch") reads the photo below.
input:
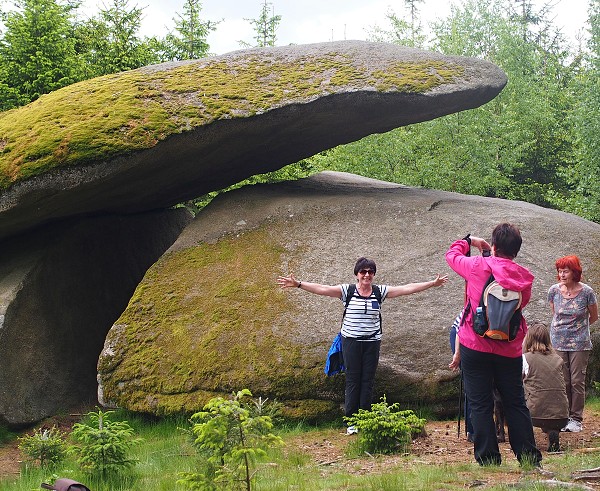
(202, 322)
(118, 114)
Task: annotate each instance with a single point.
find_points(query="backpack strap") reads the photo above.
(377, 292)
(490, 280)
(349, 295)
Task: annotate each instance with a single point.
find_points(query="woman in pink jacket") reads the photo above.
(485, 361)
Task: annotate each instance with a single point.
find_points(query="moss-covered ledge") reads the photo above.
(156, 136)
(134, 110)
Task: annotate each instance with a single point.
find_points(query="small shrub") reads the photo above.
(385, 428)
(230, 439)
(47, 446)
(265, 407)
(103, 444)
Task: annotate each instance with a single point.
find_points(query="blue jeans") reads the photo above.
(360, 359)
(480, 372)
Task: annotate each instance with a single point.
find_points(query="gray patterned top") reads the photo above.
(570, 327)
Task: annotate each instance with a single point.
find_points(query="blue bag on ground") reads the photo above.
(335, 361)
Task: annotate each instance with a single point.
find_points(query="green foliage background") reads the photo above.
(537, 141)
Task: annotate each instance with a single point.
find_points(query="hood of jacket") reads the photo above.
(509, 274)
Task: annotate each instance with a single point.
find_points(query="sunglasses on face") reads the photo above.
(367, 271)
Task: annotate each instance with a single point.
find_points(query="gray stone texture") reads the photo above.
(61, 289)
(77, 240)
(322, 224)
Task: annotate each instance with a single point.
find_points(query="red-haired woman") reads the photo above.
(574, 308)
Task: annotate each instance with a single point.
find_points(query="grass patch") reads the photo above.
(167, 451)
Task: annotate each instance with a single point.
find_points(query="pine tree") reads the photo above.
(37, 51)
(189, 42)
(265, 27)
(110, 42)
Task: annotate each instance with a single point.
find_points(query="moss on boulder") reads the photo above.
(153, 137)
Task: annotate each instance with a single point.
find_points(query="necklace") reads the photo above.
(569, 293)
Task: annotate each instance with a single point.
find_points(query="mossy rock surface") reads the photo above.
(209, 318)
(156, 136)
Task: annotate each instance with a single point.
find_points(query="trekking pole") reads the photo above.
(460, 398)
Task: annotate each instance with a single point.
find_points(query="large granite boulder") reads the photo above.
(157, 136)
(87, 172)
(61, 288)
(209, 318)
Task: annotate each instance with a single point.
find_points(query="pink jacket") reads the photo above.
(476, 270)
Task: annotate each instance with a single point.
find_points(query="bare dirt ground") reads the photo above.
(10, 456)
(328, 449)
(442, 446)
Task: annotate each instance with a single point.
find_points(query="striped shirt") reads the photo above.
(362, 315)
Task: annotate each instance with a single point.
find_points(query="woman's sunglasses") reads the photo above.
(367, 271)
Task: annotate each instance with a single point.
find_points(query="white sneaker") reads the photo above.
(351, 430)
(573, 426)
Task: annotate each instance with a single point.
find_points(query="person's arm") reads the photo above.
(396, 291)
(326, 290)
(525, 367)
(480, 244)
(455, 363)
(458, 255)
(593, 309)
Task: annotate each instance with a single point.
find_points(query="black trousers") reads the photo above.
(481, 371)
(360, 359)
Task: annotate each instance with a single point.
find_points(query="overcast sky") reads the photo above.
(311, 21)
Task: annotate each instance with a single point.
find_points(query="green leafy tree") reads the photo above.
(398, 31)
(46, 446)
(415, 22)
(189, 40)
(103, 444)
(512, 147)
(583, 176)
(265, 27)
(110, 42)
(230, 439)
(37, 50)
(401, 31)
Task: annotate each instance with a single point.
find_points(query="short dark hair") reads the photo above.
(364, 263)
(507, 240)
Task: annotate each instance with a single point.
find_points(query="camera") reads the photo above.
(486, 253)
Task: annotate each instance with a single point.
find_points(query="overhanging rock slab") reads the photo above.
(154, 137)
